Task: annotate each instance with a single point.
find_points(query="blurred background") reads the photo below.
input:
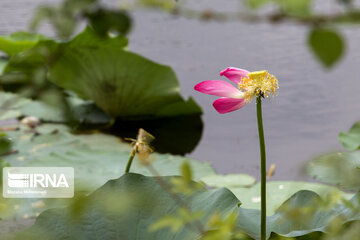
(314, 103)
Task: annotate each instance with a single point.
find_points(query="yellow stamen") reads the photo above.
(258, 83)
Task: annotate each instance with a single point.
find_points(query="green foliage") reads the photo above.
(64, 18)
(341, 169)
(109, 21)
(130, 219)
(11, 105)
(341, 232)
(166, 5)
(327, 45)
(96, 159)
(351, 139)
(293, 7)
(97, 154)
(176, 222)
(89, 60)
(146, 202)
(26, 72)
(91, 40)
(30, 63)
(246, 189)
(222, 228)
(305, 212)
(50, 145)
(255, 4)
(279, 191)
(185, 185)
(29, 67)
(84, 113)
(18, 42)
(122, 90)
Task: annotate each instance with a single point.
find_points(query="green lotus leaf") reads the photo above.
(89, 38)
(84, 112)
(144, 202)
(97, 154)
(109, 21)
(301, 8)
(11, 105)
(96, 158)
(176, 135)
(229, 180)
(123, 84)
(125, 208)
(33, 63)
(341, 169)
(18, 42)
(351, 139)
(256, 4)
(327, 45)
(304, 213)
(278, 192)
(64, 17)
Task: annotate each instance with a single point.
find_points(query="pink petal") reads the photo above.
(218, 88)
(234, 74)
(225, 105)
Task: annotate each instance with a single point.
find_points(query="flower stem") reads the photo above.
(263, 167)
(131, 158)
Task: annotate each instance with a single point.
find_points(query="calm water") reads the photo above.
(313, 105)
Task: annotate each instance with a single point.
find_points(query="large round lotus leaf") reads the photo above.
(125, 208)
(121, 83)
(229, 180)
(351, 140)
(341, 169)
(18, 42)
(278, 192)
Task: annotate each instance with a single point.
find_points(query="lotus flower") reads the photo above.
(249, 85)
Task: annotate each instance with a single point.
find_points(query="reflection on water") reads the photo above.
(313, 105)
(177, 135)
